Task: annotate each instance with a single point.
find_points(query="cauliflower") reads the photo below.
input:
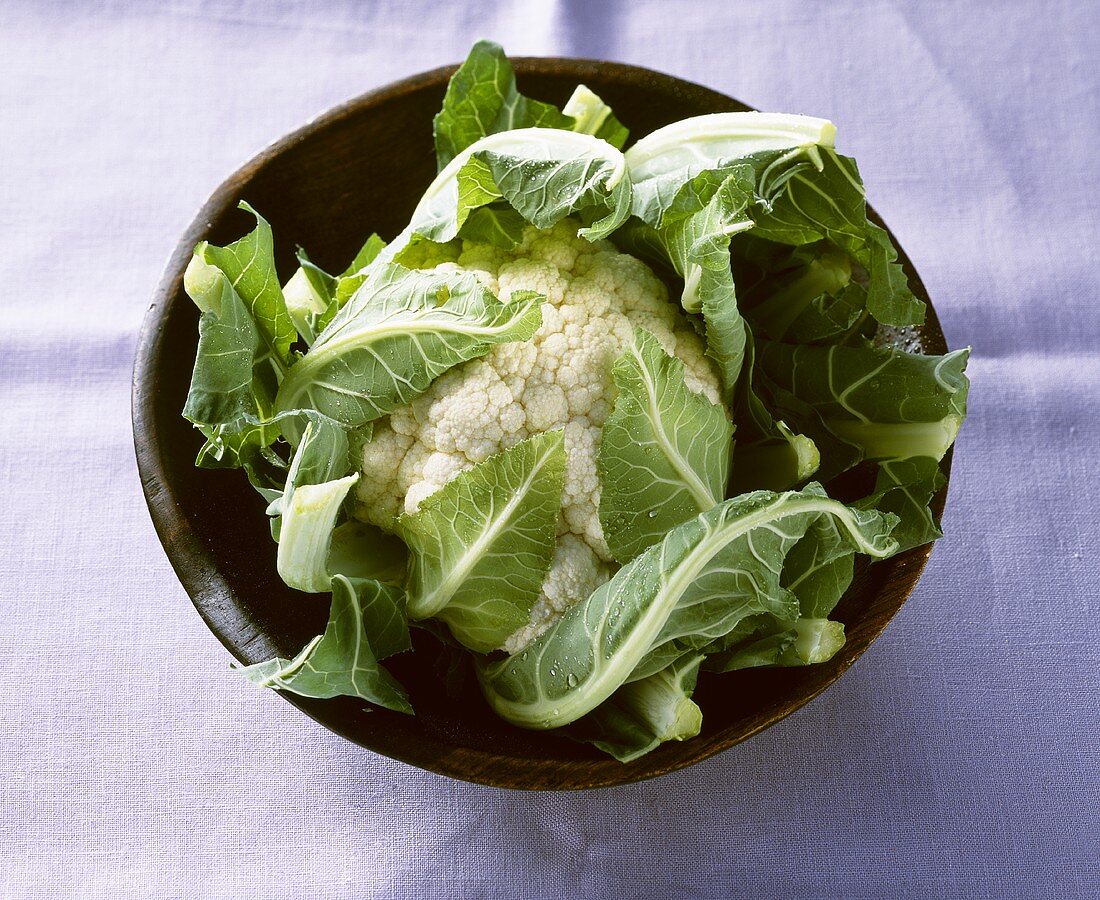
(561, 378)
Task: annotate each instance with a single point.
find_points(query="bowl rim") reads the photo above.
(193, 563)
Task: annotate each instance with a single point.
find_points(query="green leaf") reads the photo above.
(366, 624)
(313, 297)
(759, 647)
(803, 643)
(308, 294)
(889, 298)
(802, 193)
(360, 550)
(240, 445)
(316, 488)
(544, 174)
(661, 163)
(592, 116)
(348, 282)
(801, 303)
(249, 264)
(322, 453)
(820, 567)
(815, 202)
(768, 453)
(887, 403)
(321, 284)
(696, 247)
(545, 191)
(223, 391)
(900, 409)
(245, 334)
(817, 571)
(643, 714)
(775, 458)
(364, 256)
(762, 457)
(705, 577)
(226, 400)
(830, 318)
(498, 225)
(481, 545)
(665, 452)
(827, 202)
(905, 487)
(399, 332)
(482, 99)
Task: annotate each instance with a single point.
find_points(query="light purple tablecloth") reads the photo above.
(958, 758)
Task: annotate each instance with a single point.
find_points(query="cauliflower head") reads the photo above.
(595, 298)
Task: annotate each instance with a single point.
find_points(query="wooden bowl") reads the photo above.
(357, 169)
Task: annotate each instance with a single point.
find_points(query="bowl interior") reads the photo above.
(358, 169)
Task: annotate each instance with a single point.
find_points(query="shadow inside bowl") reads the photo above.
(360, 168)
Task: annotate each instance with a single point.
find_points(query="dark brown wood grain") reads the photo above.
(357, 169)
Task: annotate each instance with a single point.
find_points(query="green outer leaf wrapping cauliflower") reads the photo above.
(595, 298)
